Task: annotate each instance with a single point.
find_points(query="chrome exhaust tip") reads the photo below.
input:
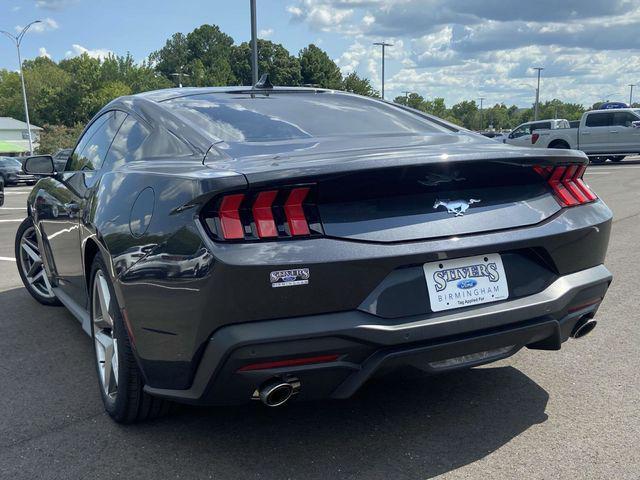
(583, 328)
(276, 393)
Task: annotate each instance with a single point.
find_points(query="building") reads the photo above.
(14, 137)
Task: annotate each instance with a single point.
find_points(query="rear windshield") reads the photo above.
(237, 117)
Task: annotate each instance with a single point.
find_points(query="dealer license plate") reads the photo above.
(464, 282)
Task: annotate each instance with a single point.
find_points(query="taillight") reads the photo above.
(567, 184)
(264, 215)
(534, 138)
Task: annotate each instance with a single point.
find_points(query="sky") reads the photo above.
(455, 49)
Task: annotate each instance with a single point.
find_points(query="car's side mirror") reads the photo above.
(39, 165)
(635, 124)
(511, 135)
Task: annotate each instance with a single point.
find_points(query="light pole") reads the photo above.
(481, 112)
(631, 85)
(254, 44)
(406, 97)
(535, 111)
(17, 39)
(383, 45)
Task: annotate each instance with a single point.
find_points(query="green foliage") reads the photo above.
(55, 137)
(273, 58)
(361, 86)
(318, 69)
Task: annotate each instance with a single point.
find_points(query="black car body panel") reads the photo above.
(195, 306)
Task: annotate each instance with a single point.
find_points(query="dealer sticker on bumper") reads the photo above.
(464, 282)
(289, 278)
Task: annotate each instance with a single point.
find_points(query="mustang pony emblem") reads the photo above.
(457, 207)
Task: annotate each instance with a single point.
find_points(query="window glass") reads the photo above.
(599, 119)
(521, 131)
(241, 117)
(540, 126)
(623, 119)
(136, 141)
(128, 144)
(94, 144)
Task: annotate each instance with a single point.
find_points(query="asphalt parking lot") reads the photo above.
(574, 413)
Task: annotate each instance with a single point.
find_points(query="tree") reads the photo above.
(318, 69)
(173, 57)
(55, 137)
(273, 58)
(361, 86)
(212, 48)
(465, 113)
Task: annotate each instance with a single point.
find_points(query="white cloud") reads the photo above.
(460, 49)
(16, 8)
(265, 32)
(42, 52)
(54, 4)
(46, 25)
(77, 50)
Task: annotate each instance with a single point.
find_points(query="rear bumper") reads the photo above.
(13, 178)
(367, 344)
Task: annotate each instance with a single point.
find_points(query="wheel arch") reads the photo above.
(559, 143)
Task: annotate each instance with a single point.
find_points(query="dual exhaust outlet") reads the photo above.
(276, 392)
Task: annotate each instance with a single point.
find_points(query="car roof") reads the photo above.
(607, 110)
(171, 93)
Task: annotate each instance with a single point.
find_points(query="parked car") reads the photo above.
(607, 134)
(60, 158)
(521, 135)
(223, 245)
(12, 174)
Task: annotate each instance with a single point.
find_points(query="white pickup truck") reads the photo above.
(602, 134)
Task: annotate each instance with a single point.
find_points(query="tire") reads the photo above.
(597, 159)
(617, 158)
(30, 267)
(560, 144)
(119, 379)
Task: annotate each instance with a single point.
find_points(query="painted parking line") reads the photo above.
(11, 220)
(16, 193)
(12, 208)
(7, 259)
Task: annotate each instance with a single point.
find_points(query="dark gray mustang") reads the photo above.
(222, 245)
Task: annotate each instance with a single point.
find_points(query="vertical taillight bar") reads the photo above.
(229, 215)
(295, 212)
(583, 186)
(263, 215)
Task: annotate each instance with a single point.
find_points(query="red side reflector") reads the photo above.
(230, 217)
(585, 305)
(568, 182)
(263, 216)
(560, 190)
(534, 138)
(295, 213)
(294, 362)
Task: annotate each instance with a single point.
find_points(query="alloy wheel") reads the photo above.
(31, 264)
(106, 343)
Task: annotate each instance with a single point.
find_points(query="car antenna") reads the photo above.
(264, 83)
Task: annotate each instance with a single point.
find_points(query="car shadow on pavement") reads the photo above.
(402, 425)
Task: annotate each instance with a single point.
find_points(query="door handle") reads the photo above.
(585, 133)
(614, 131)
